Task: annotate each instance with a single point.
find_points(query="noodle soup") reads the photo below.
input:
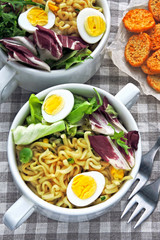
(95, 141)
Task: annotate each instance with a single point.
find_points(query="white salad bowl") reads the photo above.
(29, 202)
(14, 74)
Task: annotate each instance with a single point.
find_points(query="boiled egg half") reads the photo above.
(91, 25)
(57, 105)
(85, 188)
(36, 16)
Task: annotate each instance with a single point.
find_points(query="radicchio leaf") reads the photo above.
(23, 41)
(105, 147)
(111, 115)
(132, 138)
(72, 42)
(48, 40)
(100, 124)
(51, 45)
(17, 52)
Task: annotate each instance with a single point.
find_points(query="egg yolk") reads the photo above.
(53, 104)
(84, 186)
(117, 173)
(37, 16)
(95, 25)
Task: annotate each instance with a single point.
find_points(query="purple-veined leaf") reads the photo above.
(48, 41)
(111, 115)
(132, 138)
(72, 42)
(20, 53)
(105, 147)
(99, 124)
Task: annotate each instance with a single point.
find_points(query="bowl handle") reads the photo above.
(18, 213)
(8, 84)
(128, 95)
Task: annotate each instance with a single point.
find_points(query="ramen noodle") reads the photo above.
(49, 171)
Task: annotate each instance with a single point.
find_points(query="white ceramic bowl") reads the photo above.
(14, 73)
(29, 202)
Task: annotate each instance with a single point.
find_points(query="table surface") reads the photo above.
(146, 112)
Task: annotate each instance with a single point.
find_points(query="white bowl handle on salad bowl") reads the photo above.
(128, 95)
(18, 213)
(7, 82)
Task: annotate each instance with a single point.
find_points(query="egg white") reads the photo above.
(100, 181)
(27, 26)
(83, 14)
(68, 105)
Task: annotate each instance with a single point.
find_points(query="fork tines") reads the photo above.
(147, 206)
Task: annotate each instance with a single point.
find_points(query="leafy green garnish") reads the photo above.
(78, 58)
(69, 58)
(71, 130)
(110, 110)
(25, 155)
(120, 139)
(82, 107)
(103, 198)
(9, 13)
(62, 62)
(70, 160)
(35, 108)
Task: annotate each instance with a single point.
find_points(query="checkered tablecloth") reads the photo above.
(109, 226)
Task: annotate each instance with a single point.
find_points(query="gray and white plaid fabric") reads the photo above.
(109, 226)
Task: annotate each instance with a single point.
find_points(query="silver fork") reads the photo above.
(145, 167)
(147, 198)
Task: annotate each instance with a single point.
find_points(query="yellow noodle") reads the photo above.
(49, 171)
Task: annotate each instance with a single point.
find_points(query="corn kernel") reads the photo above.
(117, 173)
(45, 140)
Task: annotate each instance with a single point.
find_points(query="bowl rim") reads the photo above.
(40, 203)
(20, 67)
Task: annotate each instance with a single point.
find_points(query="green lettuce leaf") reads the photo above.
(70, 57)
(35, 109)
(82, 107)
(61, 62)
(25, 135)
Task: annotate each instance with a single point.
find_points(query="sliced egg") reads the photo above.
(85, 188)
(36, 16)
(91, 25)
(57, 105)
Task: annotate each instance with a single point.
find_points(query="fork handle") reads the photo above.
(149, 156)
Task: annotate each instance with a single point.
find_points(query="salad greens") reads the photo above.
(82, 107)
(70, 58)
(35, 109)
(36, 127)
(9, 13)
(25, 135)
(25, 155)
(120, 139)
(111, 111)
